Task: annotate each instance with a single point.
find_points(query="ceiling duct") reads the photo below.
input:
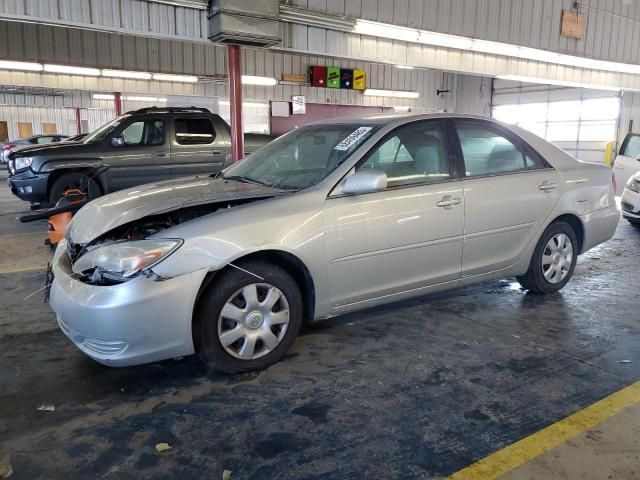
(253, 23)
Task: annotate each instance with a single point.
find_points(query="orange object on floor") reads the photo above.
(59, 222)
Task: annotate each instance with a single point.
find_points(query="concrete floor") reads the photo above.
(418, 389)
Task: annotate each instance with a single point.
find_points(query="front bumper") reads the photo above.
(29, 186)
(136, 322)
(630, 204)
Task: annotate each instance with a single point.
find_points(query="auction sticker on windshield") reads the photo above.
(352, 138)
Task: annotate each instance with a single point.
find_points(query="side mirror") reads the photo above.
(117, 141)
(365, 182)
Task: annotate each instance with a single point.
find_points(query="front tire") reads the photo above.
(70, 181)
(553, 261)
(246, 323)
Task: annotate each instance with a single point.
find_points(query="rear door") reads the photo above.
(197, 146)
(509, 191)
(142, 157)
(627, 162)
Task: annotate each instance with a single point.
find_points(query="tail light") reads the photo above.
(614, 182)
(7, 146)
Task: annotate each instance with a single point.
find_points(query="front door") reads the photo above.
(197, 147)
(406, 237)
(509, 192)
(142, 156)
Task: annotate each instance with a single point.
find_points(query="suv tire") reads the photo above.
(68, 181)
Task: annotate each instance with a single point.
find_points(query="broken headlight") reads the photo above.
(123, 260)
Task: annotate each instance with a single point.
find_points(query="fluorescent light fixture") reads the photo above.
(373, 92)
(385, 30)
(132, 98)
(126, 74)
(26, 66)
(404, 67)
(246, 104)
(253, 80)
(69, 70)
(140, 98)
(544, 81)
(166, 77)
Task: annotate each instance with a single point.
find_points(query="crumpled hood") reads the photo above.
(111, 211)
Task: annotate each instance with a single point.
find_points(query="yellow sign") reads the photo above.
(359, 80)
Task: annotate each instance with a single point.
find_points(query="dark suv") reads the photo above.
(142, 146)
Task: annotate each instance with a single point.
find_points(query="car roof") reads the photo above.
(386, 118)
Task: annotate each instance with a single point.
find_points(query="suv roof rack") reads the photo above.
(171, 110)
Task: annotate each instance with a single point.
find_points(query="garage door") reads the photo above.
(580, 121)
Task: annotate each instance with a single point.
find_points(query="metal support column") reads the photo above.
(117, 103)
(235, 102)
(78, 122)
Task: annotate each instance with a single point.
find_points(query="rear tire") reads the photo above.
(236, 328)
(634, 223)
(553, 260)
(69, 181)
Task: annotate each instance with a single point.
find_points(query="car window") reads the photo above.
(414, 154)
(631, 147)
(488, 152)
(144, 133)
(302, 157)
(194, 131)
(533, 160)
(41, 140)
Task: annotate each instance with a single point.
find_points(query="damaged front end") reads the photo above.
(130, 250)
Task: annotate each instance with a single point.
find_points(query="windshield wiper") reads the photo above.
(243, 179)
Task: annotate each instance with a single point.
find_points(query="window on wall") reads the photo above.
(581, 127)
(255, 115)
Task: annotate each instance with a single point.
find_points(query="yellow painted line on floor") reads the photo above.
(528, 448)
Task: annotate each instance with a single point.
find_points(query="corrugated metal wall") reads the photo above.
(532, 23)
(523, 22)
(124, 16)
(63, 117)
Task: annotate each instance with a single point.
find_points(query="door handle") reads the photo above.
(448, 201)
(161, 154)
(217, 152)
(547, 186)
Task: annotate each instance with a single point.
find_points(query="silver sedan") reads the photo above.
(331, 218)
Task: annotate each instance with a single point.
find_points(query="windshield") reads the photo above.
(302, 157)
(104, 131)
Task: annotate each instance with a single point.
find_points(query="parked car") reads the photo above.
(627, 162)
(630, 201)
(142, 146)
(331, 218)
(13, 145)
